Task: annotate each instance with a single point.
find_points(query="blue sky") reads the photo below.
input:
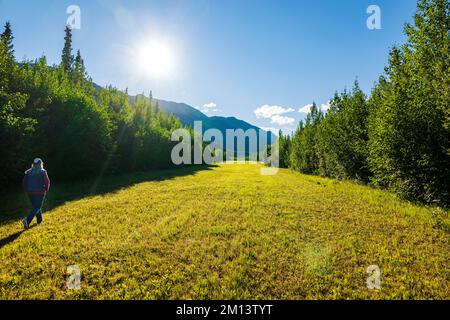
(230, 57)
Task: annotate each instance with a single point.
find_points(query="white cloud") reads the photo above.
(209, 107)
(267, 112)
(307, 109)
(326, 106)
(275, 131)
(282, 120)
(274, 113)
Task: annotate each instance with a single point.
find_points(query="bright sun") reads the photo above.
(155, 59)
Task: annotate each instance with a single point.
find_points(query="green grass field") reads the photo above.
(224, 232)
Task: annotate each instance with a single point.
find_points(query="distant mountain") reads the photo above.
(188, 114)
(185, 113)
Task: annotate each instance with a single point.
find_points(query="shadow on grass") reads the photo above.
(15, 206)
(13, 237)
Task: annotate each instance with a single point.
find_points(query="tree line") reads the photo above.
(398, 138)
(80, 130)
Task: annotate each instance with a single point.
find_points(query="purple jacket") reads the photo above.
(37, 183)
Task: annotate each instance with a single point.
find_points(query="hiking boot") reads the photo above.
(25, 224)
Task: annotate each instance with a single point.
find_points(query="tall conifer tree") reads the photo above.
(67, 59)
(7, 38)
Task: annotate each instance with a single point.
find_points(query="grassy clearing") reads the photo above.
(228, 233)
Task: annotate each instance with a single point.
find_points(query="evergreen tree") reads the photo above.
(67, 59)
(79, 70)
(304, 157)
(284, 150)
(342, 137)
(7, 38)
(409, 125)
(15, 126)
(150, 108)
(79, 63)
(296, 151)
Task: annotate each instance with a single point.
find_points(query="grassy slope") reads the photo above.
(230, 233)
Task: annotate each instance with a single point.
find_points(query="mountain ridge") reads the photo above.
(188, 115)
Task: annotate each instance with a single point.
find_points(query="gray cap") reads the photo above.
(37, 161)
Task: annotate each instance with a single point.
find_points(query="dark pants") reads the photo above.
(37, 201)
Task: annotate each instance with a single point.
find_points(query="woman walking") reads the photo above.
(36, 184)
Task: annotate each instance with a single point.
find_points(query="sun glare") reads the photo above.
(155, 59)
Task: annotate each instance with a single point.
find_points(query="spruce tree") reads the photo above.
(79, 69)
(7, 38)
(150, 107)
(79, 62)
(67, 59)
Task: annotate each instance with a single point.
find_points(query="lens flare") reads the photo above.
(155, 59)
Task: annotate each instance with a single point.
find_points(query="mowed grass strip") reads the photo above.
(230, 233)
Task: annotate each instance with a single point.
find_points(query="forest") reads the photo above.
(358, 211)
(398, 137)
(79, 129)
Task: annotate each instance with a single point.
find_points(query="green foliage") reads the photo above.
(7, 38)
(399, 138)
(57, 114)
(304, 155)
(67, 59)
(409, 132)
(75, 135)
(335, 144)
(78, 74)
(15, 126)
(284, 150)
(342, 138)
